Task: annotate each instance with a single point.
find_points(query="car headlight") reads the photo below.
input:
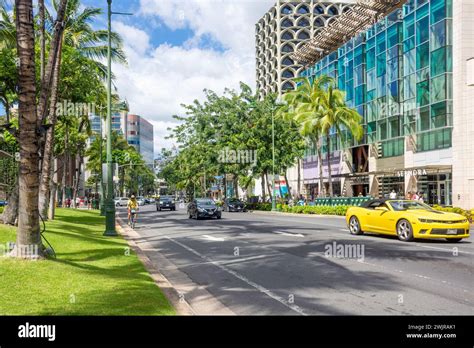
(464, 221)
(200, 210)
(427, 221)
(161, 202)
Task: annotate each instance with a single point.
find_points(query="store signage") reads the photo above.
(411, 172)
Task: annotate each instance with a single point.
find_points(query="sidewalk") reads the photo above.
(187, 297)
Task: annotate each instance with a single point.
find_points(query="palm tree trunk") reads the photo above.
(46, 83)
(77, 179)
(10, 214)
(49, 142)
(28, 242)
(236, 186)
(263, 186)
(269, 186)
(287, 185)
(298, 189)
(42, 38)
(53, 192)
(328, 139)
(322, 190)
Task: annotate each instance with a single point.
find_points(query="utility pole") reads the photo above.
(109, 199)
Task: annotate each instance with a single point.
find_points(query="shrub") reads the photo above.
(468, 214)
(1, 210)
(315, 210)
(259, 206)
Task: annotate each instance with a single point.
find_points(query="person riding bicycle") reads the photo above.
(132, 205)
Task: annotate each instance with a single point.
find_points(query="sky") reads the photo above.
(177, 48)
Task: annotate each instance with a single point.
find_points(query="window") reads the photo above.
(303, 23)
(288, 61)
(303, 10)
(286, 23)
(395, 127)
(438, 35)
(423, 93)
(288, 74)
(381, 43)
(287, 86)
(439, 115)
(439, 61)
(371, 80)
(422, 30)
(381, 64)
(424, 122)
(409, 26)
(287, 10)
(370, 58)
(409, 90)
(318, 9)
(438, 139)
(438, 10)
(287, 48)
(393, 69)
(319, 22)
(382, 130)
(333, 11)
(303, 35)
(393, 35)
(287, 35)
(422, 56)
(438, 89)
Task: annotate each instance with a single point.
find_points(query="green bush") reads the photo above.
(315, 210)
(1, 210)
(259, 206)
(468, 214)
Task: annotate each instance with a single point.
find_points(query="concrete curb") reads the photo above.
(181, 306)
(260, 212)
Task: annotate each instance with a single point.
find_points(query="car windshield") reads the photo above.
(166, 198)
(409, 205)
(234, 200)
(205, 201)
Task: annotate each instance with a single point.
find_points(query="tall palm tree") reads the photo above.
(303, 106)
(28, 221)
(336, 115)
(78, 34)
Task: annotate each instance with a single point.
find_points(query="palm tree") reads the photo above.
(303, 107)
(319, 107)
(78, 34)
(336, 115)
(28, 221)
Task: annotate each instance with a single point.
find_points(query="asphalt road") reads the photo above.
(267, 264)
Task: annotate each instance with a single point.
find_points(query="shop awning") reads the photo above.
(362, 15)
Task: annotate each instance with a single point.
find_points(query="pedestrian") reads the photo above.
(420, 197)
(415, 196)
(409, 195)
(393, 195)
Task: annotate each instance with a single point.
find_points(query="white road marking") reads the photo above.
(444, 249)
(290, 234)
(260, 288)
(212, 238)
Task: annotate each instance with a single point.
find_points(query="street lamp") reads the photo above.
(277, 104)
(109, 200)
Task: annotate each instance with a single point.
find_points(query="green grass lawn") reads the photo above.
(92, 274)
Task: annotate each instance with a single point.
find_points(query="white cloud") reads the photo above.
(159, 79)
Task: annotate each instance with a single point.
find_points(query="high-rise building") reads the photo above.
(403, 67)
(281, 31)
(140, 135)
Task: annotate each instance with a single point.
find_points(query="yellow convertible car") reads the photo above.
(406, 219)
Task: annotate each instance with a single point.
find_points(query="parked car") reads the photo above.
(121, 201)
(233, 204)
(141, 200)
(165, 202)
(202, 208)
(406, 219)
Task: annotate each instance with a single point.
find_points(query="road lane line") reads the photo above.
(212, 238)
(444, 249)
(260, 288)
(289, 234)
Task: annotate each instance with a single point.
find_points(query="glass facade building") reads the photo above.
(398, 75)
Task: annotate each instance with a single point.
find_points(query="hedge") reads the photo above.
(468, 214)
(1, 209)
(317, 210)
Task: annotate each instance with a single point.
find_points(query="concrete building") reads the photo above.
(281, 31)
(140, 135)
(403, 66)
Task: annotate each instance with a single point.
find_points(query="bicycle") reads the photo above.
(133, 218)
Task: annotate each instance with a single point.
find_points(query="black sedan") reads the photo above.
(165, 202)
(233, 204)
(203, 208)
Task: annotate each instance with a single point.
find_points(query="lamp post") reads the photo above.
(274, 108)
(109, 200)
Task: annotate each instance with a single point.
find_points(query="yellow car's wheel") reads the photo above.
(404, 231)
(354, 226)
